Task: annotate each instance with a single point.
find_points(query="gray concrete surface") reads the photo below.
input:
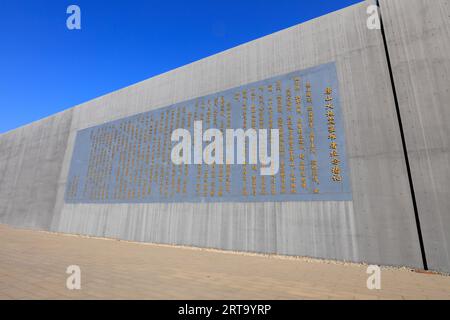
(30, 163)
(418, 34)
(377, 226)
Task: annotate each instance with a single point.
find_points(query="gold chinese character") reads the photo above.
(335, 161)
(336, 170)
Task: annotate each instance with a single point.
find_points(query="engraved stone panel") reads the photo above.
(129, 160)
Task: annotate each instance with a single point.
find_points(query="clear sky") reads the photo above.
(46, 68)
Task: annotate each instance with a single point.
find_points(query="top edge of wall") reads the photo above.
(161, 75)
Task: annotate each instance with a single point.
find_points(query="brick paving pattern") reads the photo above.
(33, 266)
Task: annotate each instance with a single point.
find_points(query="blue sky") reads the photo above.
(46, 68)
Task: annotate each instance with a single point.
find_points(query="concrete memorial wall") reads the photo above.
(341, 191)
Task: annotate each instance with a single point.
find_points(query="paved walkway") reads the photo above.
(33, 266)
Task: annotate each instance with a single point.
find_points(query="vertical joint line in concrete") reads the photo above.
(405, 149)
